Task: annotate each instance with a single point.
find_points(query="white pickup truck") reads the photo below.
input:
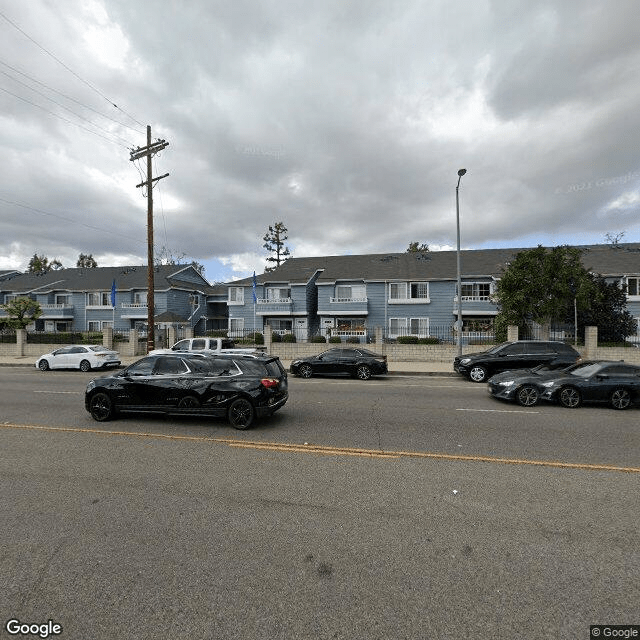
(205, 345)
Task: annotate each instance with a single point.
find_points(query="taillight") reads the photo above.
(269, 382)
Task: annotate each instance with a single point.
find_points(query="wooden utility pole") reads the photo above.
(136, 154)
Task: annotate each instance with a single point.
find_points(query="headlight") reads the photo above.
(551, 383)
(91, 385)
(506, 383)
(465, 361)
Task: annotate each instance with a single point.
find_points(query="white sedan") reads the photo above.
(79, 356)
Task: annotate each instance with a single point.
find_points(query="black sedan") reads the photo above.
(615, 383)
(238, 387)
(359, 363)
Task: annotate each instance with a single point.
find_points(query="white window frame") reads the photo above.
(236, 325)
(400, 292)
(140, 298)
(63, 299)
(101, 324)
(350, 293)
(278, 294)
(103, 297)
(235, 296)
(475, 291)
(404, 327)
(636, 295)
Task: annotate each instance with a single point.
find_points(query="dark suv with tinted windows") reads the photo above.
(521, 354)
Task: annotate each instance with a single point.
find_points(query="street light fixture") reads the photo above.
(461, 172)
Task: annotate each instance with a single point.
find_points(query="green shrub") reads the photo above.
(318, 339)
(288, 337)
(407, 339)
(255, 338)
(353, 340)
(431, 340)
(335, 340)
(276, 337)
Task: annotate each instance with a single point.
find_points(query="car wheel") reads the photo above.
(527, 396)
(43, 365)
(189, 402)
(305, 371)
(478, 374)
(620, 399)
(363, 372)
(85, 366)
(570, 397)
(241, 414)
(101, 407)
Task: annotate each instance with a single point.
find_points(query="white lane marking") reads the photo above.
(73, 393)
(497, 411)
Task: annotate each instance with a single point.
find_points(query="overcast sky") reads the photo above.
(346, 119)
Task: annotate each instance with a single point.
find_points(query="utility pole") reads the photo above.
(136, 154)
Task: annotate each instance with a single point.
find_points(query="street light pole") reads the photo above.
(461, 172)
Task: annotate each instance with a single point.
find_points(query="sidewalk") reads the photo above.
(395, 368)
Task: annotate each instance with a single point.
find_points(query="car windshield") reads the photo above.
(586, 370)
(497, 347)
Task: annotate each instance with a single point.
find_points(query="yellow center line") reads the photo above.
(328, 450)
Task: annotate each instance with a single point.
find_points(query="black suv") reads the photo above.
(521, 354)
(240, 387)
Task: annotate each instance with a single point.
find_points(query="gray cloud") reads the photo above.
(346, 120)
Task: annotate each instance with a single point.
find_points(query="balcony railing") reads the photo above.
(134, 305)
(347, 300)
(274, 301)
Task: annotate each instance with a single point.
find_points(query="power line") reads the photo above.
(61, 118)
(77, 115)
(71, 71)
(64, 95)
(66, 219)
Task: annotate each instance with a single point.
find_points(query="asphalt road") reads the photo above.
(412, 507)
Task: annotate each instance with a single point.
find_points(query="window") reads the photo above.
(236, 295)
(419, 327)
(93, 325)
(278, 293)
(236, 324)
(409, 292)
(350, 292)
(633, 286)
(398, 291)
(63, 298)
(140, 297)
(476, 290)
(98, 299)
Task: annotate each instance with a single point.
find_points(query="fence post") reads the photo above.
(379, 341)
(268, 338)
(21, 338)
(171, 336)
(188, 332)
(512, 333)
(133, 342)
(590, 342)
(107, 337)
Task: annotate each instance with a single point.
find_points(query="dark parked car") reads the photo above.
(238, 387)
(616, 383)
(521, 354)
(356, 362)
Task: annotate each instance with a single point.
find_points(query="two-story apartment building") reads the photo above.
(403, 293)
(82, 299)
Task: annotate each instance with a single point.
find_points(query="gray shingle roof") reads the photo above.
(436, 265)
(101, 278)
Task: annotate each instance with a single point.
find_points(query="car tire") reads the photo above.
(569, 397)
(620, 398)
(241, 414)
(43, 365)
(305, 371)
(101, 407)
(363, 372)
(189, 402)
(527, 396)
(478, 373)
(85, 366)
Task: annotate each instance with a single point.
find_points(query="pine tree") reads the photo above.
(274, 243)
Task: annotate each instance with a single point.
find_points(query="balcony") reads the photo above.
(475, 304)
(50, 311)
(134, 310)
(342, 306)
(274, 307)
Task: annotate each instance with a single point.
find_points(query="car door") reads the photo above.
(62, 358)
(610, 378)
(133, 381)
(511, 357)
(327, 362)
(348, 361)
(537, 353)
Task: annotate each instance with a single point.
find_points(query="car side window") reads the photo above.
(197, 345)
(513, 350)
(183, 345)
(170, 366)
(537, 348)
(620, 370)
(141, 368)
